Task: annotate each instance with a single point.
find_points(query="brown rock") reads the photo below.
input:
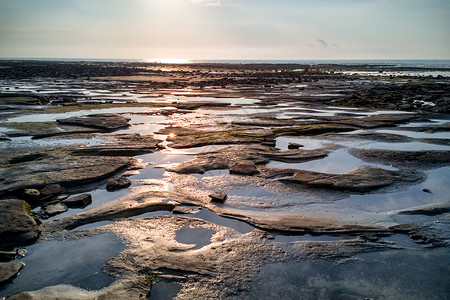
(55, 209)
(10, 270)
(80, 201)
(17, 227)
(117, 183)
(107, 122)
(243, 168)
(218, 197)
(51, 190)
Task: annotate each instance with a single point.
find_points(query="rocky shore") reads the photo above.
(212, 178)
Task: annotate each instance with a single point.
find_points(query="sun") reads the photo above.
(167, 60)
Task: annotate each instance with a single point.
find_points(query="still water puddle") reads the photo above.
(76, 262)
(391, 274)
(197, 236)
(337, 162)
(164, 290)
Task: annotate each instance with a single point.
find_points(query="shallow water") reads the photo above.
(391, 274)
(164, 290)
(76, 262)
(337, 162)
(200, 237)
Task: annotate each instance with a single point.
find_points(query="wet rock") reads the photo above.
(338, 249)
(362, 179)
(404, 158)
(17, 227)
(295, 155)
(221, 159)
(122, 145)
(107, 122)
(9, 270)
(445, 142)
(243, 168)
(428, 210)
(62, 169)
(184, 210)
(80, 201)
(136, 287)
(381, 137)
(192, 137)
(314, 129)
(7, 255)
(50, 190)
(218, 197)
(268, 143)
(117, 183)
(127, 206)
(55, 209)
(31, 195)
(294, 146)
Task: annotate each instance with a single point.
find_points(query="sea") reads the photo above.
(396, 63)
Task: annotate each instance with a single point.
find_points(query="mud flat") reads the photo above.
(217, 181)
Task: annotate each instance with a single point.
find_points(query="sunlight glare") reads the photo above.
(167, 60)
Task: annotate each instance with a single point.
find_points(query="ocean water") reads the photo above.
(397, 63)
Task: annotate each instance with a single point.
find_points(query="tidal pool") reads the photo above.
(393, 274)
(77, 262)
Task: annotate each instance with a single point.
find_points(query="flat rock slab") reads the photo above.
(51, 190)
(218, 197)
(10, 270)
(17, 227)
(80, 201)
(118, 183)
(242, 159)
(55, 209)
(362, 179)
(107, 122)
(404, 158)
(65, 170)
(123, 145)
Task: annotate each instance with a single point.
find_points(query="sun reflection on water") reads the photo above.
(167, 60)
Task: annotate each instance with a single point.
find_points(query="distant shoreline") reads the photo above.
(393, 63)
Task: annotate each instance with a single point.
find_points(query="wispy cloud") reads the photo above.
(322, 43)
(208, 2)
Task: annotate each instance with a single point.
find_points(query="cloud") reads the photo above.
(207, 2)
(322, 43)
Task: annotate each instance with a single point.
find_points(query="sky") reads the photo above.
(226, 29)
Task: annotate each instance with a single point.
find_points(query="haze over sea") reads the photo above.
(399, 63)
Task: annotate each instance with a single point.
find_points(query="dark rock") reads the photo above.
(62, 169)
(123, 145)
(404, 158)
(107, 122)
(243, 168)
(184, 210)
(21, 253)
(31, 195)
(117, 183)
(428, 210)
(9, 270)
(55, 209)
(427, 190)
(80, 201)
(294, 146)
(50, 190)
(268, 143)
(218, 197)
(7, 255)
(362, 179)
(17, 227)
